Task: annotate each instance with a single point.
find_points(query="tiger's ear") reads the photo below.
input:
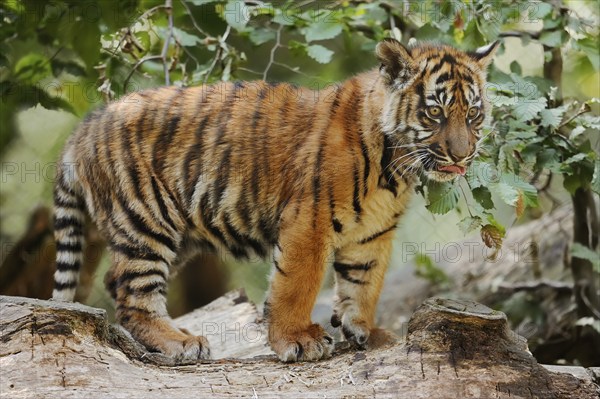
(484, 55)
(397, 65)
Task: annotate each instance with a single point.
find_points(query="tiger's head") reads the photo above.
(434, 105)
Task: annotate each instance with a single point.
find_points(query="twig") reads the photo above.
(272, 56)
(137, 65)
(144, 15)
(582, 110)
(465, 197)
(587, 302)
(286, 66)
(218, 54)
(163, 54)
(168, 6)
(533, 35)
(192, 18)
(249, 71)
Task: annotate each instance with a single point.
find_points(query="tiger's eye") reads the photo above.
(473, 112)
(434, 111)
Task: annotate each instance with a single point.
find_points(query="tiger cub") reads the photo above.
(306, 179)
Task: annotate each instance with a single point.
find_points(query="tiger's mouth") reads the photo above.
(458, 169)
(435, 170)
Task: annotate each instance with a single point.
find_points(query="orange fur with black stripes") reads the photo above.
(309, 179)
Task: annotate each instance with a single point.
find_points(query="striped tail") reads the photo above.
(69, 218)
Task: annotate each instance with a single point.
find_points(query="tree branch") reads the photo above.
(165, 49)
(272, 55)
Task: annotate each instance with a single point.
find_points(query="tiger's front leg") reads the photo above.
(299, 265)
(359, 272)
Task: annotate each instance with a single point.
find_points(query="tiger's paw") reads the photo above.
(359, 333)
(310, 344)
(179, 344)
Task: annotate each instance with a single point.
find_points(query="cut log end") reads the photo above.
(462, 328)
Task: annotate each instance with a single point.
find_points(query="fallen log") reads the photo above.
(454, 349)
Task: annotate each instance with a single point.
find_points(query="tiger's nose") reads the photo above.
(457, 151)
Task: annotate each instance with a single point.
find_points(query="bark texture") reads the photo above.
(454, 349)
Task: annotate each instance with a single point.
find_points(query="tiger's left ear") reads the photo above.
(397, 65)
(484, 55)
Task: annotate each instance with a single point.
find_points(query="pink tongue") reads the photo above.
(461, 170)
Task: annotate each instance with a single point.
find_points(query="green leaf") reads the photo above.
(86, 41)
(285, 18)
(442, 197)
(32, 68)
(591, 49)
(526, 109)
(529, 192)
(480, 174)
(323, 29)
(261, 35)
(575, 158)
(515, 67)
(319, 53)
(552, 117)
(551, 39)
(506, 192)
(237, 14)
(539, 11)
(186, 39)
(511, 187)
(582, 252)
(484, 197)
(469, 224)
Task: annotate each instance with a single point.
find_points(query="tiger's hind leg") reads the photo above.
(140, 276)
(360, 270)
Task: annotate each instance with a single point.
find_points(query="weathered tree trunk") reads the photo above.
(454, 349)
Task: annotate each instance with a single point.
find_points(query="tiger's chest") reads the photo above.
(381, 211)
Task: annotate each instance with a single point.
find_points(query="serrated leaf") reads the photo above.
(442, 197)
(551, 117)
(506, 192)
(480, 174)
(492, 236)
(527, 109)
(529, 192)
(323, 29)
(469, 224)
(582, 252)
(520, 206)
(319, 53)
